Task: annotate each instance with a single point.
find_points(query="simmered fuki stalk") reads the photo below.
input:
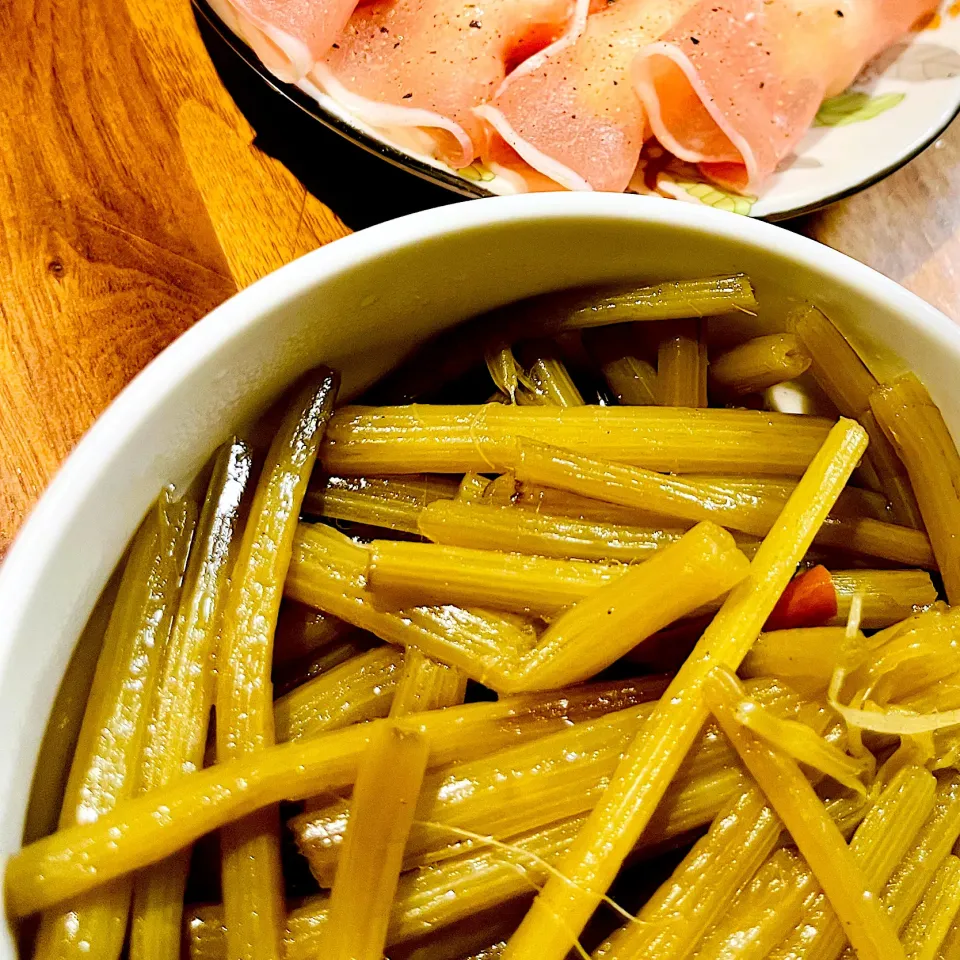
(424, 684)
(304, 632)
(784, 899)
(547, 382)
(673, 919)
(456, 439)
(758, 364)
(329, 572)
(430, 898)
(665, 301)
(763, 910)
(526, 531)
(703, 565)
(408, 573)
(251, 873)
(381, 814)
(845, 379)
(456, 351)
(917, 869)
(619, 352)
(105, 768)
(912, 421)
(843, 880)
(681, 365)
(289, 676)
(177, 731)
(684, 499)
(155, 825)
(563, 906)
(362, 688)
(930, 923)
(527, 787)
(391, 502)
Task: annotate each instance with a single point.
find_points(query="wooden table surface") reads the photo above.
(146, 175)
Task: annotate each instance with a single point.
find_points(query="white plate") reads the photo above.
(898, 106)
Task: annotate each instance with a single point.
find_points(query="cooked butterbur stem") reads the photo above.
(760, 363)
(529, 786)
(176, 734)
(390, 502)
(433, 573)
(887, 832)
(425, 684)
(665, 301)
(105, 768)
(950, 948)
(303, 632)
(548, 377)
(428, 899)
(504, 370)
(682, 499)
(673, 919)
(481, 937)
(288, 676)
(563, 906)
(500, 491)
(381, 814)
(845, 379)
(362, 688)
(681, 372)
(892, 476)
(916, 870)
(155, 825)
(329, 571)
(888, 596)
(931, 921)
(250, 872)
(471, 488)
(819, 841)
(456, 439)
(561, 503)
(804, 657)
(704, 564)
(762, 911)
(917, 429)
(527, 531)
(594, 633)
(619, 351)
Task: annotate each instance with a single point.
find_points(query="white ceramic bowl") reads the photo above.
(359, 305)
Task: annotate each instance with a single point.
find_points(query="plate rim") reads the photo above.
(462, 186)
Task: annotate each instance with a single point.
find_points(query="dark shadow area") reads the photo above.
(361, 188)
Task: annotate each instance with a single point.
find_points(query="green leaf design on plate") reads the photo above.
(854, 106)
(477, 172)
(711, 195)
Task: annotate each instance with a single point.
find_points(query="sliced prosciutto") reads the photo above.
(289, 36)
(735, 84)
(428, 63)
(729, 84)
(572, 113)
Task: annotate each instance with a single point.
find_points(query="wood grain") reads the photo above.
(113, 235)
(145, 177)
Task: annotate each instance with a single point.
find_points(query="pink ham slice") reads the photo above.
(729, 84)
(289, 36)
(427, 63)
(735, 84)
(572, 113)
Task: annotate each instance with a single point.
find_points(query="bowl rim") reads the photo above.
(33, 555)
(22, 568)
